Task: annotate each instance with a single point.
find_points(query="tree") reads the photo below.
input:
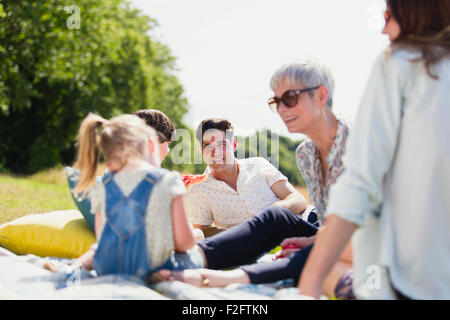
(282, 154)
(59, 63)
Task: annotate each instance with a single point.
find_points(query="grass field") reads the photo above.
(42, 192)
(20, 196)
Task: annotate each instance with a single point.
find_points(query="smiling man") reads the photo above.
(235, 190)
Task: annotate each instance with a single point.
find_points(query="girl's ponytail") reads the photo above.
(88, 151)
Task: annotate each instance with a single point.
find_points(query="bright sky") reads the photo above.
(227, 51)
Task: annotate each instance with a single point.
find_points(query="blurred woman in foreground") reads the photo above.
(394, 191)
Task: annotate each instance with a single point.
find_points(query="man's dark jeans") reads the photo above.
(243, 244)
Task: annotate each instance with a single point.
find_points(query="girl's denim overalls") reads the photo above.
(123, 246)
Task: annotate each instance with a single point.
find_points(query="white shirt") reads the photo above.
(397, 168)
(215, 201)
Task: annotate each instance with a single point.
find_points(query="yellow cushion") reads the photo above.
(63, 234)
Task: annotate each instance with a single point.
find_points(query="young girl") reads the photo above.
(140, 218)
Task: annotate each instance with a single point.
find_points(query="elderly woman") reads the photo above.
(394, 191)
(303, 99)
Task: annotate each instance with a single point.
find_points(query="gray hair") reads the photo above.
(308, 73)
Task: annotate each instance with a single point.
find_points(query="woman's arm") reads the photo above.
(183, 234)
(330, 242)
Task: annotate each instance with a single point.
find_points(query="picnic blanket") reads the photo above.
(24, 277)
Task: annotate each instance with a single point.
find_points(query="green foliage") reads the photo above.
(53, 72)
(53, 75)
(185, 154)
(279, 150)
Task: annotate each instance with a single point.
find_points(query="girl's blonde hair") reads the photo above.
(121, 137)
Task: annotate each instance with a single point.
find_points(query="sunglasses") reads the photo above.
(289, 98)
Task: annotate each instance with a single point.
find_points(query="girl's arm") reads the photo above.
(183, 235)
(98, 223)
(87, 259)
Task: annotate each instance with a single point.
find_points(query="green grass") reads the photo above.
(39, 193)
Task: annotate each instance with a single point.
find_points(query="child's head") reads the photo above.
(122, 139)
(164, 128)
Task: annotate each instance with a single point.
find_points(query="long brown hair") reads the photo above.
(425, 25)
(119, 138)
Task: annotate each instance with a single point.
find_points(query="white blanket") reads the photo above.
(24, 277)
